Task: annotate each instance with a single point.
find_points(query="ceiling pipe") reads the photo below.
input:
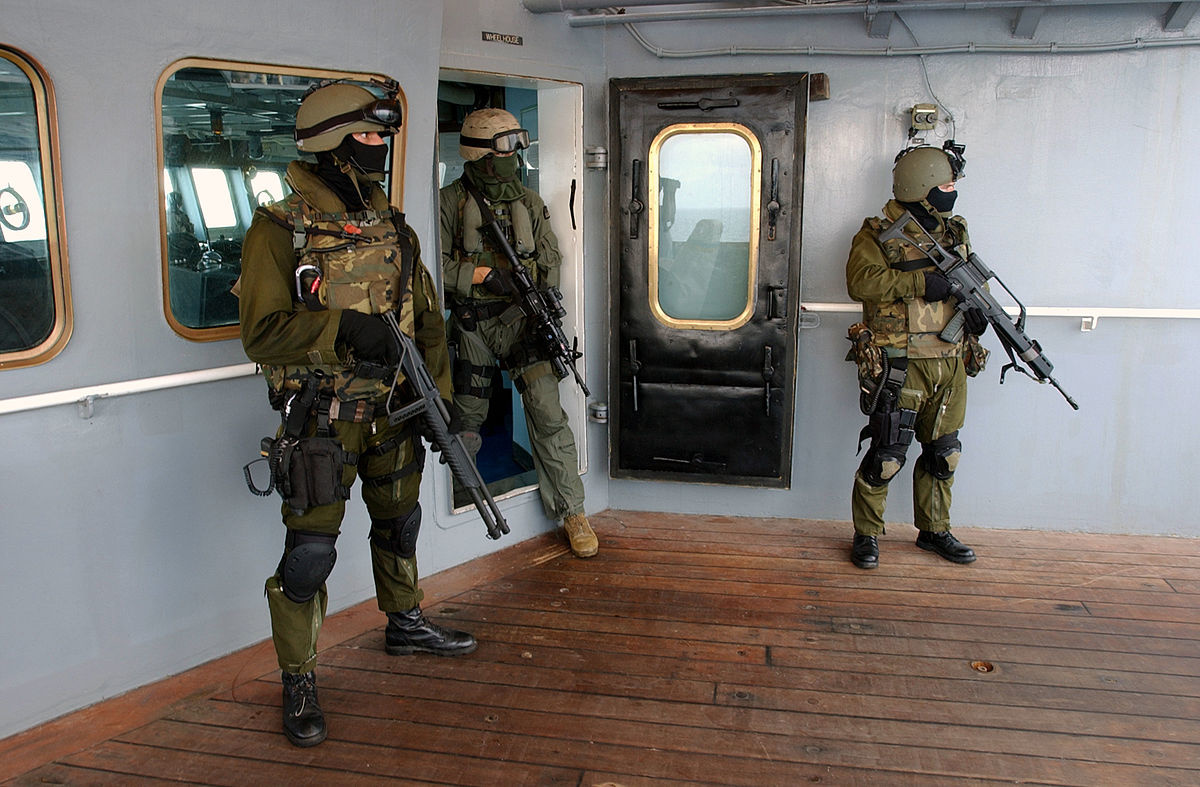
(867, 7)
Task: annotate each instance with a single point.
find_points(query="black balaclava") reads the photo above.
(921, 213)
(350, 168)
(942, 201)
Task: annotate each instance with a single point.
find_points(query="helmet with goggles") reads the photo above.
(487, 131)
(330, 112)
(922, 168)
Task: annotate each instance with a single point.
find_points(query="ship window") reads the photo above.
(225, 133)
(703, 218)
(35, 303)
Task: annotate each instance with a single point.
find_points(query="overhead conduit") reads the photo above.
(1179, 14)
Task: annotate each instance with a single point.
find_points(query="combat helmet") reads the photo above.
(922, 168)
(332, 111)
(487, 131)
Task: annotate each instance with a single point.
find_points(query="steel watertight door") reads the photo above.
(706, 185)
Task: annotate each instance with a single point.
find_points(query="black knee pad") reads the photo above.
(398, 535)
(880, 465)
(308, 559)
(940, 457)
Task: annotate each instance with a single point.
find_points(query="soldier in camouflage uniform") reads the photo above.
(318, 268)
(921, 387)
(486, 325)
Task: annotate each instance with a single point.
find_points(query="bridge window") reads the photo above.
(225, 132)
(35, 302)
(704, 217)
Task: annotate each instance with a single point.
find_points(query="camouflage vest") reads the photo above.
(360, 256)
(475, 244)
(913, 325)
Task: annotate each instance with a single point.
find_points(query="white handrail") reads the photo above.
(1094, 312)
(85, 395)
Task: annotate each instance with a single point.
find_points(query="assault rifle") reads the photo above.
(543, 309)
(968, 279)
(436, 420)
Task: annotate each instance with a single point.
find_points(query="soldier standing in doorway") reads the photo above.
(488, 327)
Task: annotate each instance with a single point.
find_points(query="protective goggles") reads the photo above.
(504, 142)
(384, 112)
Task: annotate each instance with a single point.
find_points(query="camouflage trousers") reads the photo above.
(295, 627)
(936, 388)
(555, 457)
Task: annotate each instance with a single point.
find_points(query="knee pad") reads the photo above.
(398, 535)
(939, 458)
(463, 375)
(308, 559)
(881, 464)
(891, 433)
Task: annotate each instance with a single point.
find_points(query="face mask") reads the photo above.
(942, 201)
(370, 159)
(505, 167)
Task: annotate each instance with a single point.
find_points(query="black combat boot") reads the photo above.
(303, 722)
(409, 632)
(945, 545)
(864, 553)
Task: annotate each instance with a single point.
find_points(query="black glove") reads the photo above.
(455, 425)
(499, 282)
(937, 286)
(975, 321)
(369, 337)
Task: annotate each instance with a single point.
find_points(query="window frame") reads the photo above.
(755, 185)
(52, 203)
(395, 177)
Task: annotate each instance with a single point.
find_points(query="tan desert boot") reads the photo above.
(583, 540)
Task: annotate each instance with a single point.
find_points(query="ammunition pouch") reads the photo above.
(463, 373)
(975, 355)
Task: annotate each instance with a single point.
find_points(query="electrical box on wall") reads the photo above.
(924, 117)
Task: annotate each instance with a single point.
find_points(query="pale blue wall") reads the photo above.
(132, 549)
(1082, 178)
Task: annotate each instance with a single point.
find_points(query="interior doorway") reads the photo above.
(552, 114)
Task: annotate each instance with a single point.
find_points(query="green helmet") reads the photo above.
(329, 113)
(918, 170)
(487, 131)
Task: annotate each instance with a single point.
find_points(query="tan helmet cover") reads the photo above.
(328, 102)
(485, 124)
(919, 170)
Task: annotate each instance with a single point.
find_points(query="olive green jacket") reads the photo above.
(458, 267)
(894, 307)
(275, 332)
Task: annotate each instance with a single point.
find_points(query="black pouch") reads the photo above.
(308, 471)
(464, 315)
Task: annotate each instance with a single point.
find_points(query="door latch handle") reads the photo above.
(634, 367)
(703, 104)
(773, 206)
(636, 206)
(768, 374)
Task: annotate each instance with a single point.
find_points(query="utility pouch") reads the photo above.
(307, 471)
(975, 355)
(864, 352)
(464, 315)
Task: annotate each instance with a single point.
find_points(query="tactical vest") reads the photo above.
(474, 243)
(913, 325)
(360, 257)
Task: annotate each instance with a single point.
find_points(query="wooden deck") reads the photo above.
(711, 650)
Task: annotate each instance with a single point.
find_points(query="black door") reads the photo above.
(706, 194)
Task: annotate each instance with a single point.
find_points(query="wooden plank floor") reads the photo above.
(717, 650)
